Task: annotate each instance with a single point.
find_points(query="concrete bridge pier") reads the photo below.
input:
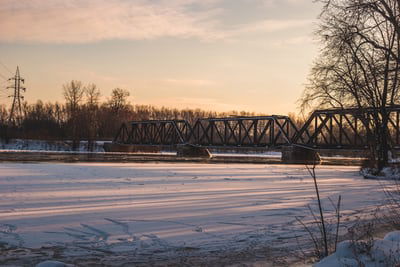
(192, 151)
(113, 147)
(296, 154)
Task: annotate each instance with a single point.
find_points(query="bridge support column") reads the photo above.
(192, 151)
(113, 147)
(300, 155)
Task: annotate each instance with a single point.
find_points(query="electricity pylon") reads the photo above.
(16, 108)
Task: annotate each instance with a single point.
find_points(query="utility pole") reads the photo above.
(16, 108)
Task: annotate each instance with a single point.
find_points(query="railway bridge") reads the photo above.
(338, 129)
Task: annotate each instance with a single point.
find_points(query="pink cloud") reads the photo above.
(82, 21)
(88, 20)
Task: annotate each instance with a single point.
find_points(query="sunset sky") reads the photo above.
(222, 55)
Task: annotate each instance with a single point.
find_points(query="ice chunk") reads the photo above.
(52, 264)
(393, 236)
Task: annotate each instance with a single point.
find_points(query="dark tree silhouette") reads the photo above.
(73, 94)
(85, 117)
(359, 64)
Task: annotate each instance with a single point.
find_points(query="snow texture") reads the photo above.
(26, 145)
(161, 210)
(387, 173)
(51, 264)
(266, 154)
(42, 145)
(380, 253)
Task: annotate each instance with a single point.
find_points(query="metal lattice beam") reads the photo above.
(332, 128)
(259, 131)
(345, 128)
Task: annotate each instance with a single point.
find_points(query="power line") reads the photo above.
(4, 77)
(5, 67)
(3, 90)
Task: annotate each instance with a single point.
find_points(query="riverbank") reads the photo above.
(71, 156)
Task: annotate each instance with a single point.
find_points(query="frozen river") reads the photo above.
(161, 211)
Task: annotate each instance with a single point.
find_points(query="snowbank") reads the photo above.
(52, 264)
(387, 173)
(378, 253)
(44, 145)
(266, 154)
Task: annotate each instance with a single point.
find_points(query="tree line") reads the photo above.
(83, 116)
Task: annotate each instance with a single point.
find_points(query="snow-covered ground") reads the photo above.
(158, 212)
(44, 145)
(266, 154)
(375, 253)
(27, 145)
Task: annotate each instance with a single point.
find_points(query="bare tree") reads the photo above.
(359, 64)
(92, 106)
(92, 95)
(119, 99)
(73, 94)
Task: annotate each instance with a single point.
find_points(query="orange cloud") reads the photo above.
(59, 21)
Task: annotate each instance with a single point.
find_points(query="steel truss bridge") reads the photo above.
(330, 129)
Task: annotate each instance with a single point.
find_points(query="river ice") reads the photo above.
(150, 209)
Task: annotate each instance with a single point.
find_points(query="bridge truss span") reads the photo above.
(259, 131)
(346, 128)
(153, 132)
(330, 129)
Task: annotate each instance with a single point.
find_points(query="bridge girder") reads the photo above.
(346, 128)
(332, 128)
(258, 131)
